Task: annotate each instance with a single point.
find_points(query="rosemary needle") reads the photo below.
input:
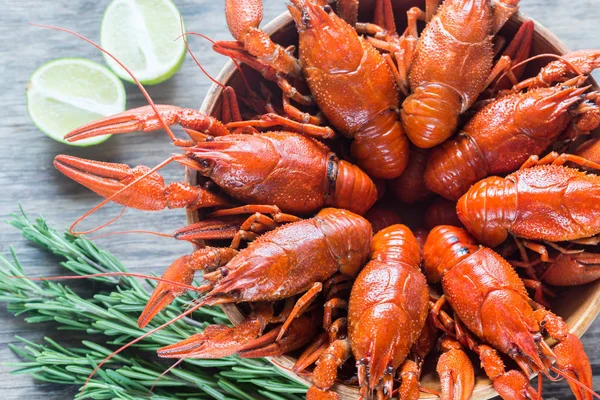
(112, 318)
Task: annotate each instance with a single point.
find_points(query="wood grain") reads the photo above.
(27, 175)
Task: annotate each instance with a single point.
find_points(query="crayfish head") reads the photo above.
(544, 112)
(380, 342)
(320, 31)
(234, 161)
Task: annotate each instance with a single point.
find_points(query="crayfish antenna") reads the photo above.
(165, 373)
(167, 235)
(138, 83)
(157, 113)
(235, 62)
(575, 383)
(181, 285)
(183, 37)
(134, 341)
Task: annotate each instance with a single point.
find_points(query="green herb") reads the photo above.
(111, 319)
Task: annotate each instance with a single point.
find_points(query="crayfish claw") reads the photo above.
(180, 275)
(456, 373)
(211, 229)
(573, 362)
(138, 187)
(216, 341)
(314, 393)
(146, 119)
(514, 385)
(112, 180)
(137, 119)
(164, 293)
(300, 332)
(571, 359)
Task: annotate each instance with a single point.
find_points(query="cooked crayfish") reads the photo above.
(353, 86)
(519, 125)
(539, 202)
(488, 296)
(386, 314)
(274, 266)
(451, 65)
(295, 173)
(410, 187)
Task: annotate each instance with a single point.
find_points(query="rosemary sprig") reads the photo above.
(112, 317)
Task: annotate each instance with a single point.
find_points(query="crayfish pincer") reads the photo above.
(386, 315)
(292, 259)
(490, 299)
(298, 174)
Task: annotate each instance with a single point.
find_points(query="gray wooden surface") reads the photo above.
(27, 175)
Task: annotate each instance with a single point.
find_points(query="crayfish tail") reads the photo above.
(430, 114)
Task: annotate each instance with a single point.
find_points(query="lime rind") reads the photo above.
(141, 34)
(68, 92)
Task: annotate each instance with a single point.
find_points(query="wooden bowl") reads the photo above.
(578, 306)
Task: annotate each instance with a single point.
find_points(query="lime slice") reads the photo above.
(69, 92)
(141, 34)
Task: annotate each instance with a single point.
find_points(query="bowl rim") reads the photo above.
(285, 363)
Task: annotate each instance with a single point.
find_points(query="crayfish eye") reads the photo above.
(327, 8)
(306, 20)
(205, 164)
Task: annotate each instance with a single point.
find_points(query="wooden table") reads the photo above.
(27, 175)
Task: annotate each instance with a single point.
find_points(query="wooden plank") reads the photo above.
(26, 155)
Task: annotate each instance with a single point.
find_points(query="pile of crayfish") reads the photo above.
(492, 173)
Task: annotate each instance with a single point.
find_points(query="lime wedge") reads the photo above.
(69, 92)
(141, 34)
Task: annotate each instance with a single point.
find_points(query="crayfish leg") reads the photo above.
(571, 358)
(301, 305)
(257, 223)
(325, 372)
(312, 353)
(271, 119)
(457, 377)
